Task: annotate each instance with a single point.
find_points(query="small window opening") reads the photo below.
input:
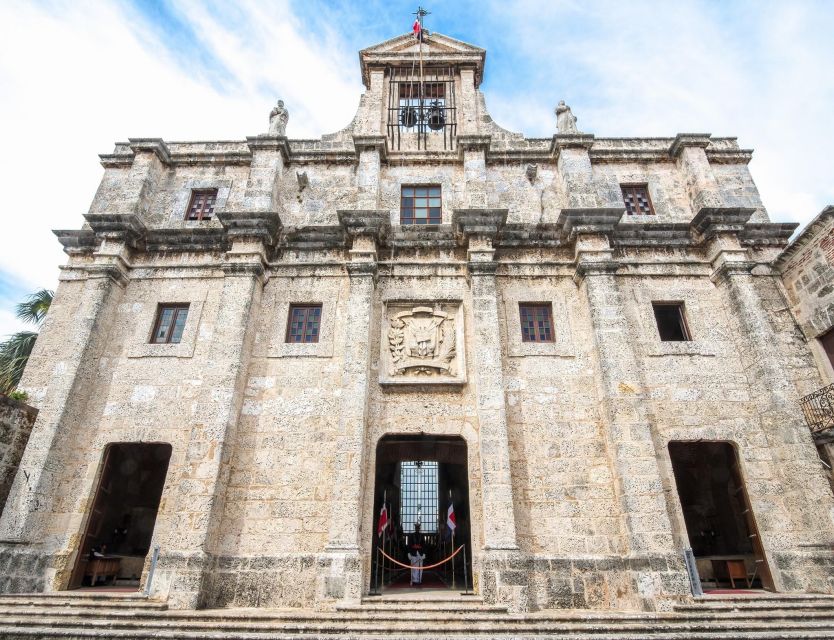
(637, 201)
(536, 322)
(170, 322)
(420, 205)
(202, 204)
(304, 323)
(671, 323)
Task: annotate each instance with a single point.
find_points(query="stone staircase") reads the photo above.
(77, 615)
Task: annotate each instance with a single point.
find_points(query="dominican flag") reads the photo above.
(383, 520)
(450, 518)
(418, 30)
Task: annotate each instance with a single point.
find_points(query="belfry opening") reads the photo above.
(118, 533)
(422, 530)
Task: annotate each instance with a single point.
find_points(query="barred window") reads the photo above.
(169, 324)
(420, 205)
(202, 203)
(536, 322)
(637, 202)
(418, 495)
(304, 323)
(671, 323)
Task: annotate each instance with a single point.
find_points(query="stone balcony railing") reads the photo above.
(818, 408)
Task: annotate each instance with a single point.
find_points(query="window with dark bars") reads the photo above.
(304, 323)
(536, 322)
(169, 324)
(671, 323)
(637, 202)
(420, 205)
(202, 203)
(418, 495)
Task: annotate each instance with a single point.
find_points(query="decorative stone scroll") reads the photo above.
(422, 343)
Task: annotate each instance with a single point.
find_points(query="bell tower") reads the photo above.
(425, 85)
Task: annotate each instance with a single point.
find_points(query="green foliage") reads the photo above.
(20, 396)
(15, 351)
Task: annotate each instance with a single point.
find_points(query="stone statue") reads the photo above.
(565, 120)
(278, 118)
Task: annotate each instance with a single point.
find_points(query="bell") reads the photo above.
(436, 119)
(408, 117)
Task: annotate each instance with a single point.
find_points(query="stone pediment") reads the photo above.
(438, 49)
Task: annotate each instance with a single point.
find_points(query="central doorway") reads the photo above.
(418, 478)
(120, 526)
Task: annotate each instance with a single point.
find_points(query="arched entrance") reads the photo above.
(719, 519)
(120, 525)
(418, 478)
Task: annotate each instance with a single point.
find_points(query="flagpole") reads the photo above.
(453, 543)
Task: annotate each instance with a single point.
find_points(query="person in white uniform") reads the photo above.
(416, 558)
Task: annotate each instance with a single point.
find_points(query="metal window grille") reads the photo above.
(671, 323)
(202, 204)
(420, 205)
(421, 105)
(304, 323)
(637, 202)
(418, 495)
(536, 322)
(170, 323)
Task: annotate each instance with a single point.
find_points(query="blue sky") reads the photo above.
(78, 75)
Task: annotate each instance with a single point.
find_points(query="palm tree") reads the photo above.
(14, 352)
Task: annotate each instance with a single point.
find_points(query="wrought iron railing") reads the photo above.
(818, 408)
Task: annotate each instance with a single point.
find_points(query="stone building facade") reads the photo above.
(269, 448)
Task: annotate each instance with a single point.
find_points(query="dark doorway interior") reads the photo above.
(418, 477)
(119, 530)
(719, 520)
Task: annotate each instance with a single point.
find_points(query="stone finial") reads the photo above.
(565, 120)
(278, 119)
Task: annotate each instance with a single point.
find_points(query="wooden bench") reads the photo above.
(102, 567)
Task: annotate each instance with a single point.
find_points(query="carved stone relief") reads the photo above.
(422, 343)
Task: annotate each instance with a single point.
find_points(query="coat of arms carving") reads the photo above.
(421, 344)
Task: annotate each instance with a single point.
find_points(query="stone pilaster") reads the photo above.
(645, 527)
(573, 162)
(269, 156)
(133, 191)
(468, 112)
(504, 570)
(186, 558)
(472, 150)
(371, 151)
(689, 151)
(343, 579)
(57, 378)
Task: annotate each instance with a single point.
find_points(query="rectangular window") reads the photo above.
(418, 495)
(201, 206)
(304, 323)
(170, 322)
(420, 205)
(418, 103)
(536, 322)
(671, 323)
(637, 202)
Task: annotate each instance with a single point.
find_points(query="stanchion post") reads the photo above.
(465, 573)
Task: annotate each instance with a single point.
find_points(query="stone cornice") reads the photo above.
(590, 220)
(770, 234)
(421, 236)
(156, 146)
(570, 141)
(77, 241)
(585, 268)
(365, 222)
(729, 156)
(478, 222)
(261, 225)
(653, 235)
(472, 142)
(683, 140)
(187, 240)
(375, 143)
(531, 235)
(731, 268)
(265, 142)
(712, 220)
(313, 237)
(127, 228)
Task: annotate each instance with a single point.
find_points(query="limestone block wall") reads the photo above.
(16, 419)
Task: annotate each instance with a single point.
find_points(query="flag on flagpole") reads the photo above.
(383, 520)
(418, 30)
(450, 518)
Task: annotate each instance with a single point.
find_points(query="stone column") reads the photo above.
(343, 579)
(186, 558)
(504, 570)
(645, 527)
(57, 378)
(269, 155)
(689, 151)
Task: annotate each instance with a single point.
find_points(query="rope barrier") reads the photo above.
(431, 566)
